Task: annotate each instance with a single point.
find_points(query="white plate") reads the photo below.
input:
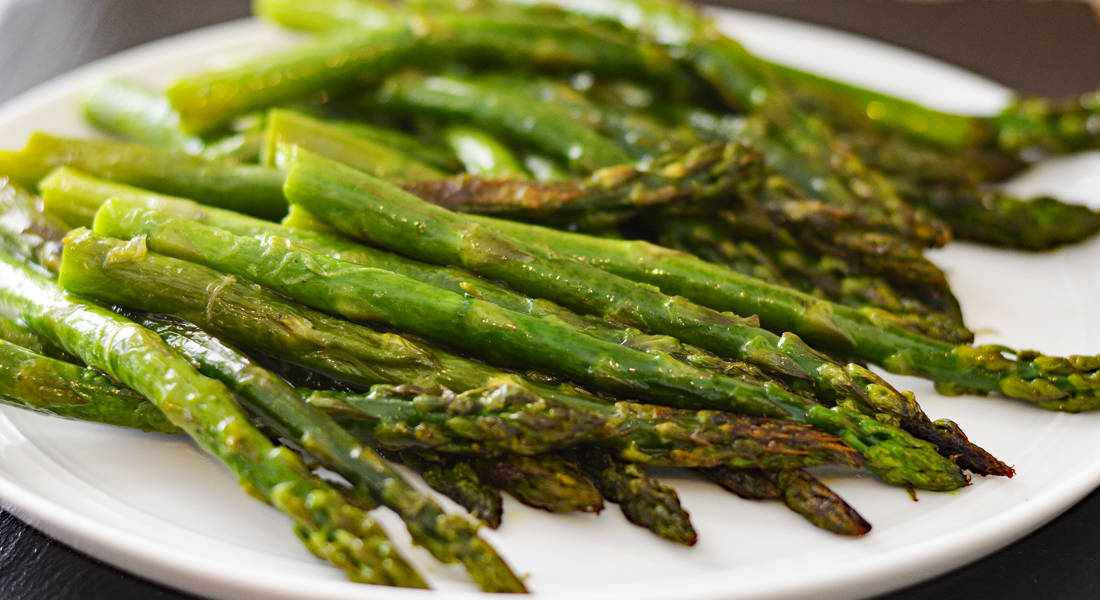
(159, 508)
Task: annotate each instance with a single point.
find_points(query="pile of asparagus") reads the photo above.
(523, 247)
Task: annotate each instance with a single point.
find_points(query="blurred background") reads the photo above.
(1048, 48)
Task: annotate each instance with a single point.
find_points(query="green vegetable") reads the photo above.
(549, 482)
(449, 538)
(481, 154)
(643, 500)
(25, 231)
(1070, 384)
(206, 411)
(456, 478)
(362, 206)
(287, 128)
(53, 387)
(253, 317)
(511, 115)
(799, 490)
(133, 112)
(247, 188)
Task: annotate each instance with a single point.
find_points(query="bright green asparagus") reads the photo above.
(206, 410)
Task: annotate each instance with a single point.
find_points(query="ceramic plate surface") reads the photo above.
(159, 508)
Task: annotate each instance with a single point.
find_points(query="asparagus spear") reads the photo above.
(54, 387)
(799, 490)
(290, 128)
(25, 231)
(800, 146)
(363, 206)
(402, 142)
(449, 538)
(786, 263)
(16, 333)
(948, 186)
(993, 217)
(373, 294)
(644, 137)
(248, 188)
(206, 410)
(353, 55)
(259, 319)
(482, 154)
(1027, 124)
(694, 179)
(133, 112)
(643, 500)
(456, 478)
(1055, 383)
(509, 114)
(78, 196)
(549, 482)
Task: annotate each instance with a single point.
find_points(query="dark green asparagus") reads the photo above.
(710, 173)
(799, 490)
(643, 500)
(449, 538)
(456, 478)
(547, 481)
(207, 411)
(787, 263)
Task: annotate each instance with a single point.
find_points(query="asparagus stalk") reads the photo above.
(703, 175)
(133, 112)
(1026, 125)
(507, 418)
(402, 142)
(456, 478)
(248, 188)
(449, 538)
(644, 137)
(363, 206)
(16, 333)
(78, 196)
(787, 264)
(995, 218)
(207, 412)
(801, 492)
(253, 317)
(25, 231)
(429, 311)
(549, 482)
(546, 128)
(286, 127)
(482, 154)
(1068, 384)
(353, 55)
(32, 381)
(643, 500)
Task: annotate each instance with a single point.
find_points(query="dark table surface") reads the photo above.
(1048, 48)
